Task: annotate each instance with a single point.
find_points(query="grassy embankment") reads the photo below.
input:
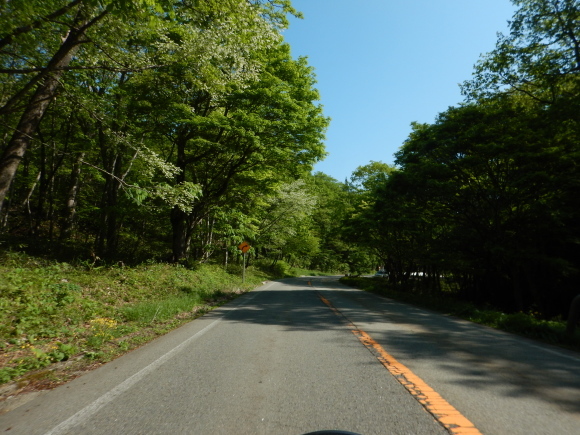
(529, 325)
(58, 320)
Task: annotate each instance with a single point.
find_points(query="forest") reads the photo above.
(173, 130)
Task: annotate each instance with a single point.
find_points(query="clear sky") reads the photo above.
(382, 64)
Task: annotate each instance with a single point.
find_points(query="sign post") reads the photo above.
(244, 247)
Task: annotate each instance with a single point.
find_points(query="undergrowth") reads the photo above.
(52, 311)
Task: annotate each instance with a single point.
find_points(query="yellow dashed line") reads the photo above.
(436, 405)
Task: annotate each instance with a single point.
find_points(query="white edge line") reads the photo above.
(109, 396)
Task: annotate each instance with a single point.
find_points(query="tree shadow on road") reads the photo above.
(467, 354)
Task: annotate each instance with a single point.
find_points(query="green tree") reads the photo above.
(482, 195)
(232, 144)
(366, 179)
(360, 229)
(540, 57)
(327, 221)
(282, 227)
(539, 60)
(42, 42)
(94, 159)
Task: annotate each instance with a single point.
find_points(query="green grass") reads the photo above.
(529, 325)
(52, 311)
(148, 312)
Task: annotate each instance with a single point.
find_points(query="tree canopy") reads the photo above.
(130, 123)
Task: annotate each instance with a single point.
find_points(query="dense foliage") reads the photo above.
(150, 128)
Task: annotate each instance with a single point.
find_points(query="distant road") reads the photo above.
(308, 354)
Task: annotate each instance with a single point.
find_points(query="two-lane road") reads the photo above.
(308, 354)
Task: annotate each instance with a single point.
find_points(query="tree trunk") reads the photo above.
(518, 291)
(179, 230)
(34, 111)
(179, 221)
(573, 316)
(106, 242)
(71, 202)
(49, 80)
(27, 200)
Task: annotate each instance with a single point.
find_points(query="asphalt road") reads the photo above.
(309, 354)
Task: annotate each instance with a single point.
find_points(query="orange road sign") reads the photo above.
(244, 247)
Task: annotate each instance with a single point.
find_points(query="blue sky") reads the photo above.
(382, 64)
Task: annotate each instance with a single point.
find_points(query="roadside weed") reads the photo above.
(51, 312)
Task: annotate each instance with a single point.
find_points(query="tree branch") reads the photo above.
(72, 68)
(8, 39)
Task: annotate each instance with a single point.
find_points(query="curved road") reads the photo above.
(309, 354)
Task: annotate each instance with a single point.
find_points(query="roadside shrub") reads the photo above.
(281, 268)
(528, 325)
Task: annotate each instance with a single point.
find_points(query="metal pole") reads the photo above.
(244, 270)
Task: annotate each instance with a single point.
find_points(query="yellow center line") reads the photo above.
(437, 406)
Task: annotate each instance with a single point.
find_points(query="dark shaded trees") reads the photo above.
(483, 196)
(487, 196)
